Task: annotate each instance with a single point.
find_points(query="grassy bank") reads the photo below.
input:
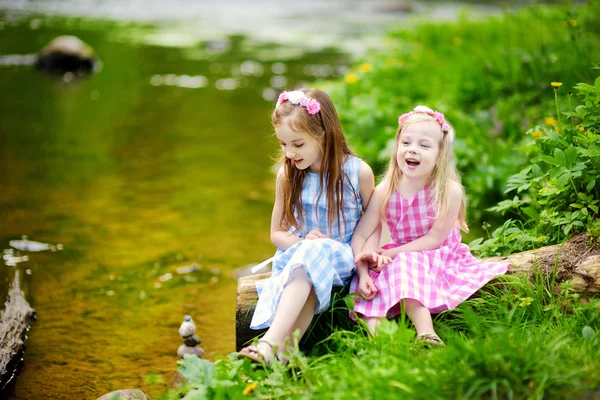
(518, 341)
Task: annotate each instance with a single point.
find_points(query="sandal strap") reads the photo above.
(272, 346)
(431, 338)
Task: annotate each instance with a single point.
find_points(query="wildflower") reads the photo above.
(580, 128)
(249, 389)
(351, 78)
(365, 67)
(525, 301)
(550, 121)
(556, 84)
(457, 41)
(573, 23)
(537, 134)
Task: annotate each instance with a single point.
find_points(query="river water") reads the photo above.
(160, 160)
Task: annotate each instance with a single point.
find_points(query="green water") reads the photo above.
(134, 180)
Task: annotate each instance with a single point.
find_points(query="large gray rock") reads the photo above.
(125, 394)
(67, 54)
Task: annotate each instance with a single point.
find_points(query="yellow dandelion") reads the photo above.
(457, 41)
(351, 78)
(365, 67)
(249, 389)
(550, 121)
(537, 134)
(573, 23)
(581, 129)
(556, 84)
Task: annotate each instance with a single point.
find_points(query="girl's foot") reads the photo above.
(264, 353)
(430, 339)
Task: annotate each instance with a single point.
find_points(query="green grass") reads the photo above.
(520, 340)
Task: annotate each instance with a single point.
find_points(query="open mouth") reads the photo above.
(411, 162)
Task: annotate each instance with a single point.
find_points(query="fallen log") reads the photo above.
(15, 319)
(575, 261)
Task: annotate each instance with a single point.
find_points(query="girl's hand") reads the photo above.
(380, 260)
(375, 260)
(315, 234)
(365, 256)
(366, 287)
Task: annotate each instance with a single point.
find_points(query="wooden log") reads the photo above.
(574, 261)
(15, 319)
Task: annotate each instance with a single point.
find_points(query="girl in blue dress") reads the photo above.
(322, 189)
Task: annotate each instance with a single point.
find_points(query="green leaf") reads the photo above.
(594, 207)
(597, 84)
(349, 300)
(197, 394)
(571, 155)
(559, 155)
(197, 370)
(531, 212)
(588, 332)
(591, 185)
(549, 160)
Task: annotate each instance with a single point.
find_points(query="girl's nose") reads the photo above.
(289, 153)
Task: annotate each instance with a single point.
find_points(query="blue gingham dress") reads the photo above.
(328, 262)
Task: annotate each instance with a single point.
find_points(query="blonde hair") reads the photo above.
(325, 127)
(444, 171)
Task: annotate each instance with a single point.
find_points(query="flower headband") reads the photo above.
(439, 117)
(298, 97)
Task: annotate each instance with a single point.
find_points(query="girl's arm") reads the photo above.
(366, 183)
(368, 230)
(279, 237)
(440, 229)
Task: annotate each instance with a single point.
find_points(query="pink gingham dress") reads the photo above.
(440, 279)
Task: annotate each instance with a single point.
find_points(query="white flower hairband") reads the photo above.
(299, 98)
(439, 117)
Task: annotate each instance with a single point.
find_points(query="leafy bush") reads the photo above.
(558, 193)
(490, 77)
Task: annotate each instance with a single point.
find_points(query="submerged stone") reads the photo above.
(67, 54)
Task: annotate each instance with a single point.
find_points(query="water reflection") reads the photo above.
(140, 170)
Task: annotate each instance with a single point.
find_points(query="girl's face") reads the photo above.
(418, 149)
(300, 147)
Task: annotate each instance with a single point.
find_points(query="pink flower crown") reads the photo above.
(439, 117)
(298, 97)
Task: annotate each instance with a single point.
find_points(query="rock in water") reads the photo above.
(29, 245)
(66, 54)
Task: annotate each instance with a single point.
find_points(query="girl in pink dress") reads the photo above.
(426, 268)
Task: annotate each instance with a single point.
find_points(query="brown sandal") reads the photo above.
(260, 358)
(430, 339)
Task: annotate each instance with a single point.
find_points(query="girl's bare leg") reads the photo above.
(296, 309)
(420, 316)
(303, 321)
(372, 323)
